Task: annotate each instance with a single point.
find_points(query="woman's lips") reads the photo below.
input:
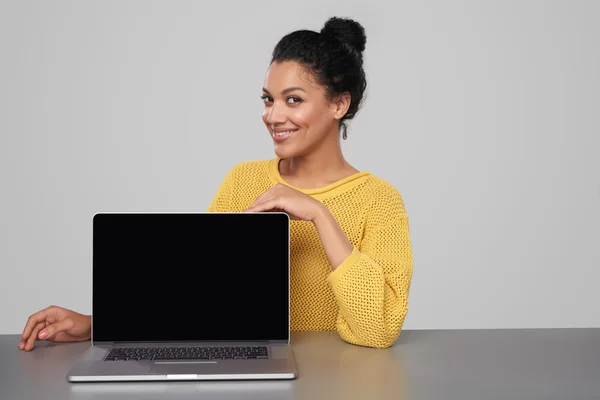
(283, 135)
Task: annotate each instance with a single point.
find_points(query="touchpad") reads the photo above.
(184, 368)
(212, 368)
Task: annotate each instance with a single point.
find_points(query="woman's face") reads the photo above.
(297, 113)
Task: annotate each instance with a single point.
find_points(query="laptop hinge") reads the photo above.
(117, 343)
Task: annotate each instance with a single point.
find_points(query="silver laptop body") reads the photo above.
(189, 296)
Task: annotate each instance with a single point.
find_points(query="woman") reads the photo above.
(351, 260)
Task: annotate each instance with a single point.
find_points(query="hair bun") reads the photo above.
(346, 31)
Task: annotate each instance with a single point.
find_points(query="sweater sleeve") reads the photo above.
(371, 286)
(221, 202)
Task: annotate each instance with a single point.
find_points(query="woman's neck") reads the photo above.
(320, 168)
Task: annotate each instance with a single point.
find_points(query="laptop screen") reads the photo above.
(190, 277)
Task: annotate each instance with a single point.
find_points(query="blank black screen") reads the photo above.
(190, 277)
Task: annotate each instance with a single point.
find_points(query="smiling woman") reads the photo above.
(351, 259)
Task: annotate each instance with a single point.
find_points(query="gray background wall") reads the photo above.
(483, 114)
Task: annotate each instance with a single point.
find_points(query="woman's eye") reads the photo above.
(290, 100)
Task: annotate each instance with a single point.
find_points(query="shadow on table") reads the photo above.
(223, 390)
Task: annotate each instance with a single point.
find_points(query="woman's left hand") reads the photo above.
(291, 201)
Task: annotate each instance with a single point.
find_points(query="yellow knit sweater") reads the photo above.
(366, 297)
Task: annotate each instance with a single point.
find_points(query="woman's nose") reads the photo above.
(276, 115)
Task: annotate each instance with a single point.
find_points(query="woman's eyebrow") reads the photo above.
(290, 89)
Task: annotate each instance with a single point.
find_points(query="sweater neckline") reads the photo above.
(339, 185)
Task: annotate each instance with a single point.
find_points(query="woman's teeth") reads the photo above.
(284, 133)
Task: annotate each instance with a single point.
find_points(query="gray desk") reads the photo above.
(486, 364)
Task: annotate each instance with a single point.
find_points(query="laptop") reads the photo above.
(189, 296)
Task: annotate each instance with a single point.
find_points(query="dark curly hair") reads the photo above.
(333, 56)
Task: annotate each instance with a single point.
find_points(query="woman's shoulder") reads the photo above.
(259, 164)
(251, 170)
(383, 194)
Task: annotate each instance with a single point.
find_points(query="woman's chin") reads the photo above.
(283, 151)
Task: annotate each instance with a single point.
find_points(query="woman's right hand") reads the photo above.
(56, 324)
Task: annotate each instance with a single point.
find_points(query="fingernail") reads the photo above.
(43, 334)
(20, 344)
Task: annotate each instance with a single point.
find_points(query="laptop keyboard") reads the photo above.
(187, 353)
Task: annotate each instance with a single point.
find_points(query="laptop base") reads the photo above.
(93, 368)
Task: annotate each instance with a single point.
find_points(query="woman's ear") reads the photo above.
(342, 103)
